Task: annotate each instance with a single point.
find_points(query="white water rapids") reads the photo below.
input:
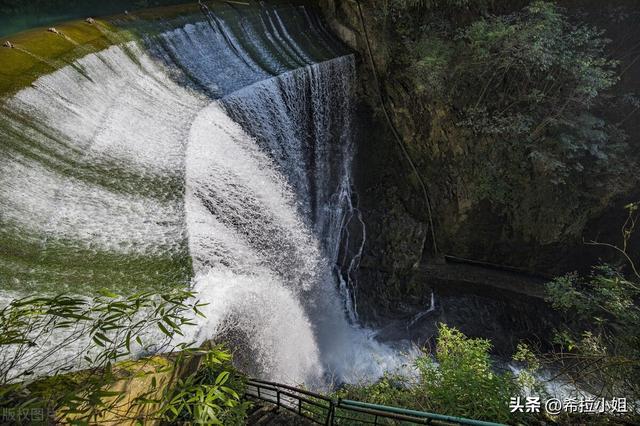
(226, 149)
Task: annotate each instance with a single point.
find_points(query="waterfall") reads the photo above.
(265, 204)
(214, 153)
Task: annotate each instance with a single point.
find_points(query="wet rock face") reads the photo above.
(394, 238)
(536, 226)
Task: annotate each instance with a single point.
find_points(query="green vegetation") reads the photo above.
(44, 338)
(518, 116)
(210, 396)
(29, 266)
(16, 15)
(443, 4)
(599, 340)
(530, 80)
(536, 79)
(458, 379)
(38, 52)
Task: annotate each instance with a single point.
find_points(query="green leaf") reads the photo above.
(222, 378)
(164, 330)
(106, 293)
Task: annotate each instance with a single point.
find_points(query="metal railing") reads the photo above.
(326, 411)
(317, 408)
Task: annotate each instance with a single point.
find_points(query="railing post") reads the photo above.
(258, 387)
(329, 420)
(278, 397)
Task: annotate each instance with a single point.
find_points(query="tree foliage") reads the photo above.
(532, 82)
(537, 79)
(64, 354)
(212, 395)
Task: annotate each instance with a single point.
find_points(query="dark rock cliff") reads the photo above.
(533, 224)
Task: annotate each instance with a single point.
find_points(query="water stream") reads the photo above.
(214, 151)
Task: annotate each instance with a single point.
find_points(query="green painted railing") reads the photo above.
(326, 411)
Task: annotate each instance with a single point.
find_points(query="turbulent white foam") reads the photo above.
(115, 111)
(113, 108)
(265, 322)
(252, 253)
(40, 202)
(231, 183)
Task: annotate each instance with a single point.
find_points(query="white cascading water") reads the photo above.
(245, 173)
(265, 222)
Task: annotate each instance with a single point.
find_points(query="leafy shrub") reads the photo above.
(430, 69)
(536, 58)
(599, 342)
(533, 78)
(458, 380)
(462, 378)
(210, 396)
